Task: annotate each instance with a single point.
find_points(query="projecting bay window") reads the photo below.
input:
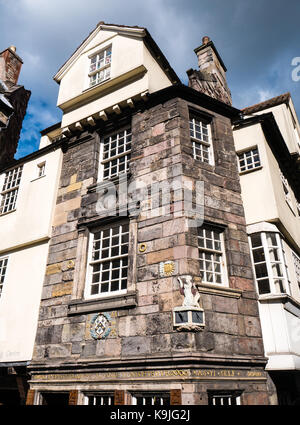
(10, 190)
(115, 153)
(3, 268)
(248, 160)
(108, 261)
(100, 65)
(269, 263)
(212, 255)
(200, 134)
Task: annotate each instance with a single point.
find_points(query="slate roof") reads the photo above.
(274, 101)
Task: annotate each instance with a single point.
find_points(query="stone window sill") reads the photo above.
(8, 212)
(38, 178)
(241, 173)
(102, 304)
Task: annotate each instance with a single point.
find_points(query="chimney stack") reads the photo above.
(211, 77)
(10, 66)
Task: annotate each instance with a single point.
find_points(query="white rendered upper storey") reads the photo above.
(267, 145)
(114, 66)
(28, 191)
(268, 157)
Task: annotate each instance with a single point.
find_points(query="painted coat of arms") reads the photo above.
(100, 325)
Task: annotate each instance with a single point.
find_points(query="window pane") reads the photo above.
(111, 273)
(271, 239)
(248, 160)
(10, 190)
(210, 250)
(3, 268)
(116, 149)
(258, 255)
(263, 286)
(261, 270)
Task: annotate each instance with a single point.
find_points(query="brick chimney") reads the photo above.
(211, 77)
(10, 66)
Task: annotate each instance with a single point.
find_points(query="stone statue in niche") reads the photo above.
(189, 316)
(189, 290)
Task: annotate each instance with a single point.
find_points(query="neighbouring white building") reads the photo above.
(268, 147)
(28, 189)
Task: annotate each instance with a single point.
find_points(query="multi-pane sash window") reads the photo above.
(296, 260)
(100, 67)
(151, 399)
(99, 399)
(269, 263)
(224, 400)
(41, 169)
(248, 160)
(10, 190)
(287, 191)
(109, 260)
(211, 255)
(201, 140)
(116, 154)
(3, 267)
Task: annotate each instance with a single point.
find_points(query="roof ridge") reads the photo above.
(273, 101)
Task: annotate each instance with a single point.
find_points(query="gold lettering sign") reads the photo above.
(204, 374)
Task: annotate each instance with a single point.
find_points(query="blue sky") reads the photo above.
(257, 41)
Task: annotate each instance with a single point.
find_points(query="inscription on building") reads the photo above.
(153, 374)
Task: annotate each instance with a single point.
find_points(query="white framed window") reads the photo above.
(10, 190)
(151, 399)
(115, 153)
(200, 133)
(99, 399)
(224, 399)
(269, 263)
(108, 261)
(41, 168)
(248, 160)
(287, 191)
(212, 255)
(296, 261)
(3, 268)
(100, 66)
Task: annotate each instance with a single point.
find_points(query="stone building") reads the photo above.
(13, 104)
(268, 148)
(148, 296)
(28, 189)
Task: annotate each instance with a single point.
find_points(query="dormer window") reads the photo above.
(100, 67)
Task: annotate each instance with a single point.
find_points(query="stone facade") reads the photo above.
(144, 351)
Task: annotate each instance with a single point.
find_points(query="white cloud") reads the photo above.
(257, 55)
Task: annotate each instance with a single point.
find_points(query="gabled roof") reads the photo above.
(126, 30)
(274, 101)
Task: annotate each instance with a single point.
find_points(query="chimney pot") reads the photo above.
(205, 39)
